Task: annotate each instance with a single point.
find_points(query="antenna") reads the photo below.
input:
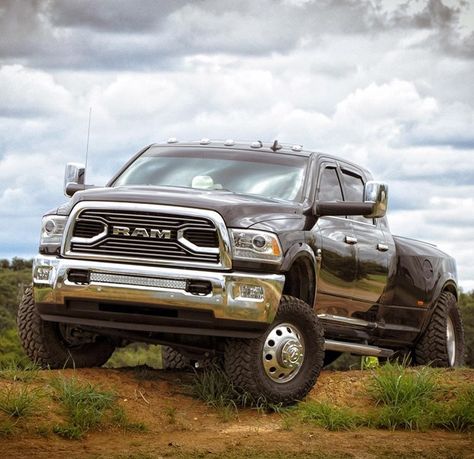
(87, 145)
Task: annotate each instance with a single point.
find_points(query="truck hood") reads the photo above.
(237, 210)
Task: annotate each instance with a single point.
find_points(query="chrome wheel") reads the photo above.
(451, 341)
(283, 353)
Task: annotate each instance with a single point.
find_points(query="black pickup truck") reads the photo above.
(268, 258)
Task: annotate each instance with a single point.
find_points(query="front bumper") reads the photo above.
(137, 288)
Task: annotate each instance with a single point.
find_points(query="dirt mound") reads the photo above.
(177, 425)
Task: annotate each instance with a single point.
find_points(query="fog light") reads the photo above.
(253, 292)
(43, 273)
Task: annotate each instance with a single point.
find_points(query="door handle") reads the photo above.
(382, 247)
(350, 240)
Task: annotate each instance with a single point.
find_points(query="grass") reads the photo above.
(120, 419)
(86, 405)
(17, 401)
(405, 397)
(171, 413)
(6, 428)
(19, 370)
(325, 414)
(214, 387)
(458, 415)
(395, 385)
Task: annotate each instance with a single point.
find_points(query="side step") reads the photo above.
(355, 348)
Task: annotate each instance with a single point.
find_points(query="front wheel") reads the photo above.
(53, 345)
(283, 365)
(442, 344)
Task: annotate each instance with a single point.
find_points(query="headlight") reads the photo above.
(52, 229)
(255, 245)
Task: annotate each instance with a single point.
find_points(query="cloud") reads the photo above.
(123, 35)
(28, 93)
(383, 83)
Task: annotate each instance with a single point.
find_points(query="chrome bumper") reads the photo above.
(155, 286)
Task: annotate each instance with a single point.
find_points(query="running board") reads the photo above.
(340, 320)
(355, 348)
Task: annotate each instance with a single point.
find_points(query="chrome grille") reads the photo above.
(169, 238)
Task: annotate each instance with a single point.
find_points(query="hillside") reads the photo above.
(153, 413)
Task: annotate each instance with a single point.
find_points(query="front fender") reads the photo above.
(297, 251)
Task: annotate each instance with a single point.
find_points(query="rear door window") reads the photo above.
(354, 191)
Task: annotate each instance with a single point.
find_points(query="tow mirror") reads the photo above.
(376, 193)
(74, 176)
(373, 206)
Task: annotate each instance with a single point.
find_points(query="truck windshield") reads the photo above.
(270, 175)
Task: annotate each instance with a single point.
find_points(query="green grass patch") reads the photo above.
(405, 397)
(325, 414)
(87, 406)
(214, 387)
(19, 370)
(120, 419)
(394, 384)
(17, 401)
(7, 427)
(459, 414)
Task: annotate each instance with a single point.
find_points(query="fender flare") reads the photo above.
(301, 250)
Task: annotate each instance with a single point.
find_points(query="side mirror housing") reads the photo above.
(74, 176)
(376, 193)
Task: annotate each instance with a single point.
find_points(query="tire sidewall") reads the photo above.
(454, 314)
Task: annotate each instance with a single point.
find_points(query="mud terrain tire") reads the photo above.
(244, 358)
(45, 344)
(432, 348)
(174, 360)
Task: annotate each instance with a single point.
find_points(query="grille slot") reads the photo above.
(88, 229)
(202, 238)
(163, 246)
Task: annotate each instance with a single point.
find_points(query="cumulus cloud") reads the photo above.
(383, 83)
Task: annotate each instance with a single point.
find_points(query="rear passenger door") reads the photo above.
(371, 246)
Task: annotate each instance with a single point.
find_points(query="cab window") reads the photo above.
(329, 186)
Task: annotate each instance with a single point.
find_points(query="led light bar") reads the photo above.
(103, 278)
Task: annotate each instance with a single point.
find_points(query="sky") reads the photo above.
(388, 84)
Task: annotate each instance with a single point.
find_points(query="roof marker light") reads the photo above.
(257, 144)
(205, 141)
(297, 147)
(172, 140)
(229, 143)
